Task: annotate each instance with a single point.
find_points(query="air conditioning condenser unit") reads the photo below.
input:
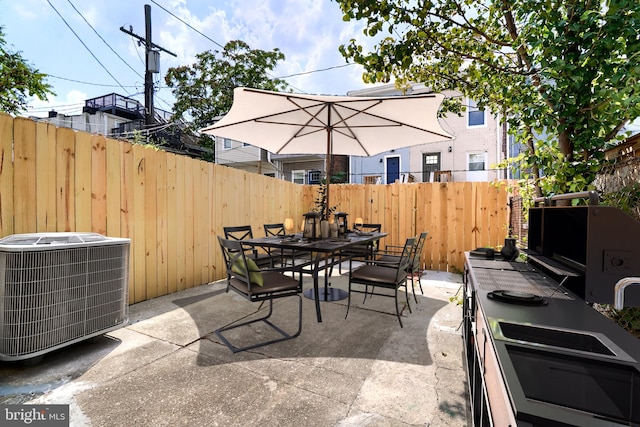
(57, 289)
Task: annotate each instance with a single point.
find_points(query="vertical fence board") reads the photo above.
(46, 176)
(440, 217)
(25, 198)
(405, 209)
(151, 221)
(113, 195)
(197, 223)
(458, 226)
(161, 223)
(475, 217)
(127, 186)
(469, 215)
(65, 180)
(181, 223)
(7, 211)
(138, 224)
(217, 200)
(501, 214)
(422, 224)
(98, 184)
(211, 240)
(389, 217)
(484, 212)
(189, 219)
(82, 177)
(172, 224)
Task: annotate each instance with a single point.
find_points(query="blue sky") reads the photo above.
(308, 32)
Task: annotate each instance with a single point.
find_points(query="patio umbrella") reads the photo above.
(288, 123)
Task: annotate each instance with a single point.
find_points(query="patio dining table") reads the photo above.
(323, 256)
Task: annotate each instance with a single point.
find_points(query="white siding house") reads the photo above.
(479, 144)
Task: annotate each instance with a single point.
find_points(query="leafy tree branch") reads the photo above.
(19, 81)
(561, 72)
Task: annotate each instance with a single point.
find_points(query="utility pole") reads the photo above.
(152, 62)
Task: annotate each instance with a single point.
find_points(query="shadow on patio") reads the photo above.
(168, 368)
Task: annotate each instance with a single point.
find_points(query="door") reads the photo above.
(393, 169)
(430, 164)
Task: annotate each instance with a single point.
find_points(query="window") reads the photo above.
(314, 177)
(476, 161)
(477, 166)
(432, 160)
(475, 116)
(226, 143)
(297, 176)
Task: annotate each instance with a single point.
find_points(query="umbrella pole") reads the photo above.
(328, 169)
(328, 160)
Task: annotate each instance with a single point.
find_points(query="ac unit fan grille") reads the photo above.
(53, 297)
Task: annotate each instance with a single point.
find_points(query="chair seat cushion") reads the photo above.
(374, 274)
(273, 282)
(255, 276)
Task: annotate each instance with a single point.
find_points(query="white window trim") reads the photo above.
(300, 171)
(484, 155)
(471, 102)
(224, 144)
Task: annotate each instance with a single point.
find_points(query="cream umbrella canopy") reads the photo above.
(288, 123)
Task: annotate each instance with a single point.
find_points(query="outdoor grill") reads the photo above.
(586, 249)
(535, 353)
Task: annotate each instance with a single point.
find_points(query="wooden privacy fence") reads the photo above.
(173, 207)
(459, 216)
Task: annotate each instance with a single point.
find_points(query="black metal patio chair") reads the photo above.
(391, 255)
(364, 251)
(278, 230)
(256, 285)
(242, 232)
(378, 274)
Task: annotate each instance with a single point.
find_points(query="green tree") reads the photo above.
(563, 72)
(18, 80)
(204, 90)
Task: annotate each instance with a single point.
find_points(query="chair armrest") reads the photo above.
(391, 252)
(285, 269)
(380, 263)
(393, 246)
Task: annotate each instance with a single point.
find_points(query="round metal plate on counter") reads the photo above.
(516, 297)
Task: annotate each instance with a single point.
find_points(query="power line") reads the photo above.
(105, 42)
(187, 24)
(218, 44)
(88, 83)
(86, 47)
(316, 71)
(74, 105)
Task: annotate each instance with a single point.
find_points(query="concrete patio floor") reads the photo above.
(168, 368)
